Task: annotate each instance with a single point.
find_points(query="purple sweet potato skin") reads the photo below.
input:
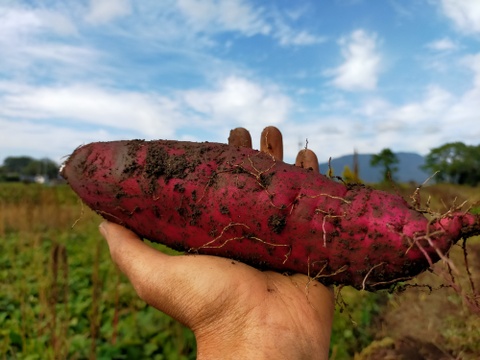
(239, 203)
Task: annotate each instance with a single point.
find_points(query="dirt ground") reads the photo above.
(420, 324)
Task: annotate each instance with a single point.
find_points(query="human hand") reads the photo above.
(234, 310)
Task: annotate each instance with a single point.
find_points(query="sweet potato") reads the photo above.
(242, 204)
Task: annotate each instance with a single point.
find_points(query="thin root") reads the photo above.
(369, 272)
(209, 245)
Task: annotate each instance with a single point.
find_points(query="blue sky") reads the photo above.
(343, 74)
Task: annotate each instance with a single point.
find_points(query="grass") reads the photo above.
(354, 322)
(62, 298)
(60, 295)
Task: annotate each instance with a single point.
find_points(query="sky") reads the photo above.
(333, 75)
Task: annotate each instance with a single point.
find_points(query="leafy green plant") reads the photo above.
(60, 295)
(354, 321)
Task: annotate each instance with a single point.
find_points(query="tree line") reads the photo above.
(25, 168)
(454, 162)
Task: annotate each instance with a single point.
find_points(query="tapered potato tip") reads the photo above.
(271, 142)
(240, 137)
(306, 159)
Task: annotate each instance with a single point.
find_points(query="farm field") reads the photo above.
(62, 298)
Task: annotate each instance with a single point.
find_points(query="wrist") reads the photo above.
(260, 344)
(214, 350)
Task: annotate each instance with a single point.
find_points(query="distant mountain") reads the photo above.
(409, 168)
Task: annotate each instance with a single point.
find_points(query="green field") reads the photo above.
(62, 298)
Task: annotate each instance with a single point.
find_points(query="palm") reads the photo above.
(221, 299)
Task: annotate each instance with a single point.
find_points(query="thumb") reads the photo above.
(138, 261)
(127, 250)
(160, 280)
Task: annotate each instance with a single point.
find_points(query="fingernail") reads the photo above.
(103, 228)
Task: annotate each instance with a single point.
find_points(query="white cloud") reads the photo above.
(240, 102)
(41, 43)
(18, 24)
(463, 114)
(142, 114)
(373, 106)
(464, 13)
(437, 117)
(69, 55)
(402, 9)
(431, 108)
(59, 23)
(361, 65)
(415, 119)
(444, 44)
(12, 20)
(286, 35)
(41, 140)
(103, 11)
(220, 15)
(216, 16)
(472, 62)
(298, 12)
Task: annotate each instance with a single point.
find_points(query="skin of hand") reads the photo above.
(234, 310)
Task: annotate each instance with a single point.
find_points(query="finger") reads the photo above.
(128, 251)
(307, 159)
(271, 142)
(240, 137)
(151, 272)
(183, 287)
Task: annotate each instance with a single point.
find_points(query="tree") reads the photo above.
(18, 166)
(45, 167)
(455, 162)
(387, 159)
